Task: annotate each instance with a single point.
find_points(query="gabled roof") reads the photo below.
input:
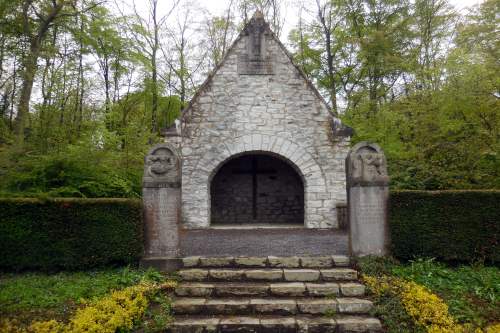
(257, 16)
(338, 128)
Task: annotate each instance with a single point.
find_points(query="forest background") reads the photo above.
(87, 85)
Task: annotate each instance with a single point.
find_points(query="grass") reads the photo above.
(158, 315)
(27, 297)
(472, 293)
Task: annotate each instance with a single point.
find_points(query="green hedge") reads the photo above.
(69, 233)
(83, 233)
(449, 225)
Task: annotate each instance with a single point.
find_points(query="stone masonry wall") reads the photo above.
(278, 113)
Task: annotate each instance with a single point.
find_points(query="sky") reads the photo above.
(207, 8)
(218, 7)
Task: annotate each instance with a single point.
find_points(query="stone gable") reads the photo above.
(257, 101)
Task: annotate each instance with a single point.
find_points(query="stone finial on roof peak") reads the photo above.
(258, 14)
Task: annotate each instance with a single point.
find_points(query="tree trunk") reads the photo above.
(79, 78)
(116, 77)
(154, 107)
(327, 31)
(2, 51)
(62, 104)
(182, 73)
(373, 90)
(104, 63)
(30, 63)
(28, 76)
(13, 94)
(331, 73)
(154, 74)
(82, 91)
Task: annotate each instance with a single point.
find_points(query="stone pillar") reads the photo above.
(367, 196)
(161, 195)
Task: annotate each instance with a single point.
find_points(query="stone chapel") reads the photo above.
(258, 144)
(256, 166)
(246, 200)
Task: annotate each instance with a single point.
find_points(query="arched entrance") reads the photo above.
(257, 189)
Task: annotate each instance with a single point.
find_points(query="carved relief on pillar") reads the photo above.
(161, 194)
(367, 198)
(367, 165)
(161, 167)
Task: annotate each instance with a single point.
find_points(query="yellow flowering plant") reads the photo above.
(119, 310)
(425, 308)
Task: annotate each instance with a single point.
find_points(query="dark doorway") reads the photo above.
(257, 189)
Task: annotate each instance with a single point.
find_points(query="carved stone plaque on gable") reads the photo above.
(161, 167)
(256, 60)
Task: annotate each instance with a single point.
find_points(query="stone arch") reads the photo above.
(257, 187)
(198, 183)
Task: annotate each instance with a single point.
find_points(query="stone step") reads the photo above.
(271, 306)
(268, 274)
(267, 262)
(266, 289)
(276, 324)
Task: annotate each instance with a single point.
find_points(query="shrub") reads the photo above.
(449, 225)
(471, 293)
(427, 311)
(388, 306)
(80, 170)
(119, 311)
(69, 233)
